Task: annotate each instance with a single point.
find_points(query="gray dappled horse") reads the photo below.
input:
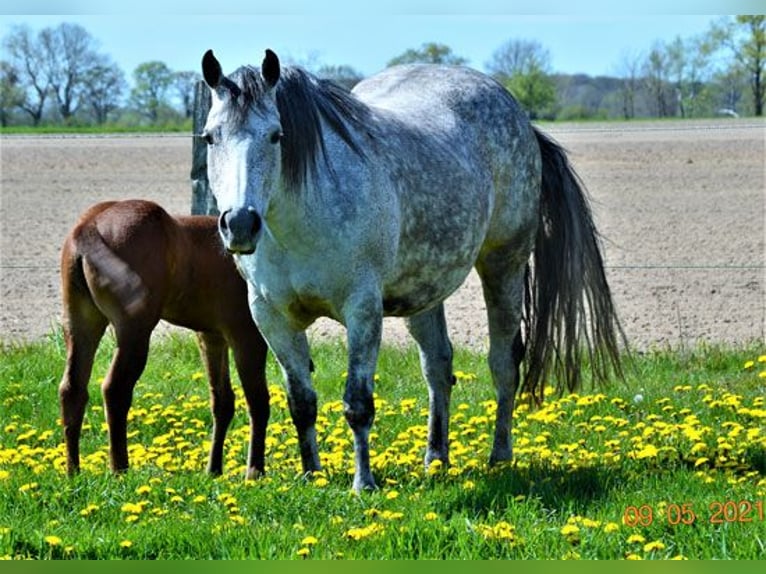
(378, 202)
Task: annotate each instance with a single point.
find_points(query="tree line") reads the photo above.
(57, 76)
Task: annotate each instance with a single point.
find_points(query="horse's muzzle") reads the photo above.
(239, 228)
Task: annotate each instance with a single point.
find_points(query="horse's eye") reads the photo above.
(208, 137)
(275, 137)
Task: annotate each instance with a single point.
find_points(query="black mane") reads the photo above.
(303, 102)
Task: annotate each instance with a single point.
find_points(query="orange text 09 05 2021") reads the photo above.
(717, 512)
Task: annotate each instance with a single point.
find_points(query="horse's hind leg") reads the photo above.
(127, 365)
(84, 326)
(250, 357)
(430, 332)
(503, 288)
(215, 355)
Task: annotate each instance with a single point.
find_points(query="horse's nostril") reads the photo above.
(223, 223)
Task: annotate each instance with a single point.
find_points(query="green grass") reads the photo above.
(605, 474)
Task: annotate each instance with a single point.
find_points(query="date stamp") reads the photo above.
(684, 513)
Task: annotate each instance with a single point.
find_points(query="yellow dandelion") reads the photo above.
(143, 489)
(632, 556)
(321, 482)
(654, 545)
(303, 551)
(611, 527)
(4, 474)
(126, 544)
(430, 516)
(53, 540)
(762, 359)
(309, 541)
(749, 364)
(571, 532)
(636, 539)
(469, 485)
(132, 508)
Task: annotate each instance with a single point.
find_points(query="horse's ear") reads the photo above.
(211, 70)
(270, 68)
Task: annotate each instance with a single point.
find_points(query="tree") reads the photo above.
(688, 66)
(28, 62)
(745, 38)
(68, 54)
(11, 92)
(428, 53)
(344, 75)
(656, 72)
(149, 96)
(184, 84)
(523, 67)
(628, 70)
(104, 86)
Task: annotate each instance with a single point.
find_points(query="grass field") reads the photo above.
(669, 464)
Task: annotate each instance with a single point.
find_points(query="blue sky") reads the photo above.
(589, 41)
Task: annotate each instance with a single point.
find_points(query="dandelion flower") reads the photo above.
(126, 544)
(303, 551)
(654, 545)
(636, 539)
(430, 516)
(53, 540)
(309, 540)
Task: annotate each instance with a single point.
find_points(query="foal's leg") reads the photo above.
(214, 353)
(429, 330)
(250, 357)
(127, 365)
(503, 292)
(84, 326)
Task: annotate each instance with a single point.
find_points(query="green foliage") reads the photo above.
(596, 475)
(428, 53)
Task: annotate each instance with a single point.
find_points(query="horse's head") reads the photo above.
(243, 133)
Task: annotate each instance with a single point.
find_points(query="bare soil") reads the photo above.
(681, 207)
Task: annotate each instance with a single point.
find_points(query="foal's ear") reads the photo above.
(211, 70)
(270, 68)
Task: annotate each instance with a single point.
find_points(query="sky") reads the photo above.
(593, 41)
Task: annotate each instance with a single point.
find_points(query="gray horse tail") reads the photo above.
(112, 273)
(568, 309)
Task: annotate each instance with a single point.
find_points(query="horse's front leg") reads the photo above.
(364, 322)
(291, 350)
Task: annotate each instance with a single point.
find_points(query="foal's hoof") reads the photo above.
(253, 473)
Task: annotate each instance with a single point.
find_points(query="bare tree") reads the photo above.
(104, 87)
(524, 68)
(344, 75)
(68, 54)
(656, 70)
(629, 70)
(28, 61)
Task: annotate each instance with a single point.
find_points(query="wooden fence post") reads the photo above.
(203, 202)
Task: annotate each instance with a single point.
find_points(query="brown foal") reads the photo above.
(130, 264)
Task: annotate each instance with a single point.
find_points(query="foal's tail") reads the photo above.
(112, 273)
(568, 309)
